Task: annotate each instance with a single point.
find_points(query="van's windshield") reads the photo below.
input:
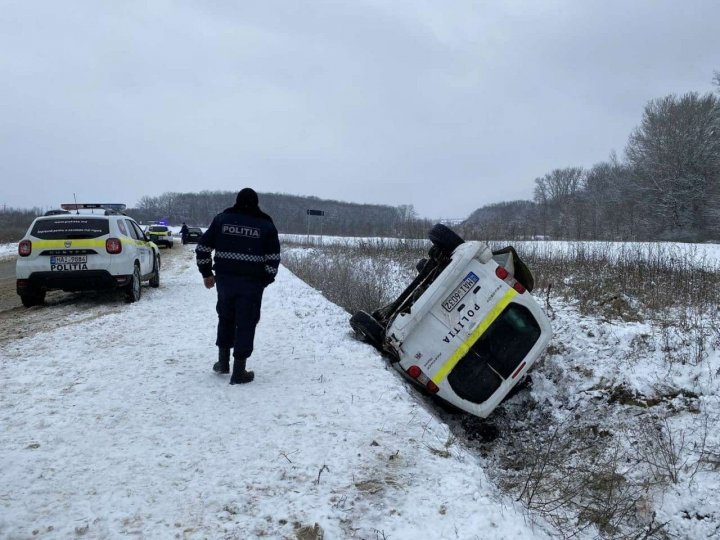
(495, 356)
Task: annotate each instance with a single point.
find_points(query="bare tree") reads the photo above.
(675, 156)
(556, 194)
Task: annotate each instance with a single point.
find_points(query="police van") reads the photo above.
(85, 247)
(467, 328)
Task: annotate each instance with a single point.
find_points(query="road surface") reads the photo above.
(61, 308)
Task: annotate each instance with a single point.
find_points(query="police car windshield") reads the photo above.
(61, 228)
(158, 228)
(496, 355)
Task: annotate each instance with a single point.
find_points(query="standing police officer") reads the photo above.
(183, 232)
(247, 256)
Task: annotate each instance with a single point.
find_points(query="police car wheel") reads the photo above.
(133, 290)
(155, 279)
(368, 328)
(32, 298)
(444, 238)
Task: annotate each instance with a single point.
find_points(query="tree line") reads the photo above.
(666, 186)
(289, 212)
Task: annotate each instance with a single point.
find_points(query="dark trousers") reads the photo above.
(238, 309)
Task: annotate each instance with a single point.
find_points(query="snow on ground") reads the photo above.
(589, 358)
(8, 251)
(621, 380)
(699, 255)
(121, 428)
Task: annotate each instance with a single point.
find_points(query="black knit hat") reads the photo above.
(247, 198)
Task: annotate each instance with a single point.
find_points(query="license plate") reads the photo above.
(68, 263)
(460, 291)
(68, 259)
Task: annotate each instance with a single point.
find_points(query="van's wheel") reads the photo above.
(155, 279)
(367, 327)
(444, 238)
(33, 297)
(133, 290)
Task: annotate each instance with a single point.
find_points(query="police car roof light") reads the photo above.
(105, 206)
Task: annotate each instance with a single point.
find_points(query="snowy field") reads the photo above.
(119, 428)
(699, 255)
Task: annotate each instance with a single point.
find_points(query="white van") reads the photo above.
(467, 328)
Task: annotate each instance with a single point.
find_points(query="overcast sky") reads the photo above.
(445, 105)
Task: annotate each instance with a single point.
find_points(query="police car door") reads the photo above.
(145, 251)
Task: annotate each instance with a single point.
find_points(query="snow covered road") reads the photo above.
(117, 426)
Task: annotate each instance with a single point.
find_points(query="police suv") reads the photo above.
(466, 329)
(161, 235)
(85, 247)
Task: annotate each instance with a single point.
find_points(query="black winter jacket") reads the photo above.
(245, 242)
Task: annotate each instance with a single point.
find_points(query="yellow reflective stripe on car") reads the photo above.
(91, 243)
(88, 243)
(464, 347)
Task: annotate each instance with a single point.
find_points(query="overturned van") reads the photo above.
(467, 328)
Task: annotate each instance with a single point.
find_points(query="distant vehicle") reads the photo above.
(192, 236)
(88, 247)
(161, 235)
(466, 329)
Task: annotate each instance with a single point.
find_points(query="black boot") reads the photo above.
(223, 363)
(239, 375)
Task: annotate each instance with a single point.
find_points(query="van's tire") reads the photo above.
(444, 238)
(33, 297)
(367, 327)
(133, 290)
(155, 278)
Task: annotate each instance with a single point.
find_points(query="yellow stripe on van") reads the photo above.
(464, 347)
